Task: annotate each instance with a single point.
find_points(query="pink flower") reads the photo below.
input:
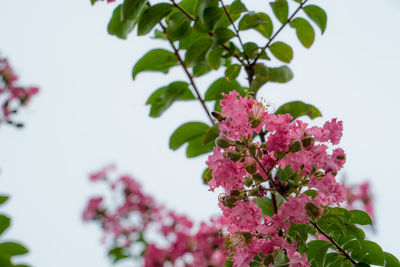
(225, 172)
(243, 217)
(293, 210)
(329, 191)
(332, 131)
(102, 174)
(298, 260)
(92, 208)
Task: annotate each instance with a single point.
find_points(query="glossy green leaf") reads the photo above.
(201, 69)
(265, 74)
(237, 7)
(164, 97)
(119, 27)
(196, 148)
(282, 51)
(250, 49)
(298, 108)
(186, 133)
(266, 206)
(214, 57)
(391, 261)
(360, 217)
(362, 264)
(374, 255)
(266, 28)
(285, 174)
(232, 72)
(316, 252)
(250, 21)
(304, 31)
(208, 18)
(316, 14)
(281, 10)
(3, 199)
(222, 35)
(155, 60)
(4, 223)
(152, 16)
(222, 85)
(178, 26)
(211, 134)
(12, 249)
(197, 51)
(191, 39)
(190, 6)
(131, 9)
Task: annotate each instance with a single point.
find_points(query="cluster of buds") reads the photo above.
(12, 96)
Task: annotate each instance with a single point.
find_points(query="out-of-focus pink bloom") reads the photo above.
(92, 208)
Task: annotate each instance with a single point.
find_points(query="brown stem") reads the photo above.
(182, 10)
(189, 75)
(339, 248)
(279, 30)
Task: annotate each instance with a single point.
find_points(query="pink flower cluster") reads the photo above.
(360, 197)
(12, 96)
(262, 155)
(131, 224)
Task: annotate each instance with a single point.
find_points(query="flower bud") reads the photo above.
(295, 146)
(253, 149)
(307, 141)
(223, 142)
(252, 169)
(234, 155)
(341, 157)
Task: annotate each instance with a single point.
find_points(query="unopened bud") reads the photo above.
(253, 149)
(223, 142)
(252, 169)
(341, 157)
(234, 155)
(307, 141)
(295, 146)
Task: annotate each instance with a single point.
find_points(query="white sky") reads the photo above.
(90, 113)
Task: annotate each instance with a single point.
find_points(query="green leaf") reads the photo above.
(131, 9)
(209, 16)
(362, 264)
(152, 16)
(360, 217)
(222, 35)
(318, 15)
(316, 251)
(249, 21)
(266, 206)
(282, 51)
(304, 31)
(391, 261)
(214, 57)
(250, 49)
(201, 69)
(118, 253)
(119, 27)
(298, 108)
(285, 174)
(374, 252)
(222, 85)
(232, 72)
(281, 10)
(196, 148)
(155, 60)
(12, 249)
(266, 28)
(3, 199)
(265, 74)
(164, 97)
(190, 6)
(206, 176)
(4, 223)
(237, 7)
(191, 39)
(211, 134)
(178, 26)
(197, 51)
(186, 133)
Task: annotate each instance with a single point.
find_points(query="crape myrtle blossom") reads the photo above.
(129, 227)
(12, 96)
(292, 158)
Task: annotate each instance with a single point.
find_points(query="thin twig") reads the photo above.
(189, 75)
(235, 29)
(182, 10)
(339, 248)
(279, 30)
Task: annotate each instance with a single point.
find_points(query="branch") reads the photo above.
(279, 30)
(189, 75)
(339, 248)
(182, 10)
(236, 30)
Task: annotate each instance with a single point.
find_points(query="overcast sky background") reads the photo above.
(90, 113)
